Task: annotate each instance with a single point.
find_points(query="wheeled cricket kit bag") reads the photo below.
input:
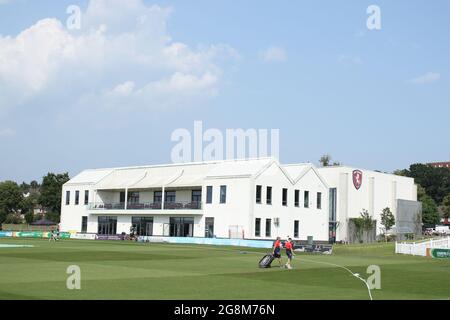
(266, 261)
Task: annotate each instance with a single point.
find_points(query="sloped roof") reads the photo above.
(297, 170)
(239, 168)
(173, 175)
(89, 176)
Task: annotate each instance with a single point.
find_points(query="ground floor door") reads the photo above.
(209, 228)
(142, 226)
(181, 227)
(107, 225)
(332, 232)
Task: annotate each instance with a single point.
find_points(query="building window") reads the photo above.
(209, 194)
(333, 204)
(181, 227)
(268, 228)
(285, 197)
(223, 194)
(67, 198)
(297, 198)
(107, 225)
(133, 197)
(77, 197)
(296, 229)
(142, 226)
(258, 227)
(258, 194)
(196, 196)
(122, 197)
(306, 199)
(84, 222)
(86, 197)
(209, 227)
(319, 200)
(157, 197)
(170, 196)
(269, 195)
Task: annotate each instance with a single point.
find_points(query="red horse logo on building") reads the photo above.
(357, 179)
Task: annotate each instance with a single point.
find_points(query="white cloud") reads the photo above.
(427, 78)
(173, 90)
(348, 59)
(123, 49)
(7, 132)
(273, 54)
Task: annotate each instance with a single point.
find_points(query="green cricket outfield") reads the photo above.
(129, 270)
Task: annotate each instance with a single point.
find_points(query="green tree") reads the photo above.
(430, 213)
(53, 216)
(436, 181)
(50, 193)
(27, 208)
(402, 173)
(387, 221)
(25, 187)
(325, 161)
(34, 185)
(13, 218)
(446, 206)
(10, 199)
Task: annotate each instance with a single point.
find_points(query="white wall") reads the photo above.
(378, 191)
(312, 221)
(71, 214)
(235, 211)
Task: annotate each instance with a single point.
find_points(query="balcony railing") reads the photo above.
(177, 205)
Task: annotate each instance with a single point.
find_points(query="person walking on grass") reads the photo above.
(289, 252)
(277, 250)
(52, 236)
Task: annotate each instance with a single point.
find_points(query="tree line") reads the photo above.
(433, 190)
(17, 201)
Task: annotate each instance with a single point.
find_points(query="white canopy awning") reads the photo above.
(121, 179)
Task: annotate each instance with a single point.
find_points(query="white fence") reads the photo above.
(420, 249)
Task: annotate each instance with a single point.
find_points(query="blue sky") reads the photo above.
(111, 93)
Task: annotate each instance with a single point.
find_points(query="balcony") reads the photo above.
(177, 205)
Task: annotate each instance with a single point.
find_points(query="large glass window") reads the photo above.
(285, 197)
(157, 197)
(133, 197)
(296, 228)
(223, 194)
(107, 225)
(306, 199)
(170, 196)
(77, 197)
(297, 198)
(268, 228)
(122, 197)
(209, 194)
(84, 222)
(333, 204)
(319, 200)
(142, 226)
(181, 227)
(258, 227)
(209, 227)
(258, 194)
(67, 198)
(197, 196)
(86, 197)
(269, 195)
